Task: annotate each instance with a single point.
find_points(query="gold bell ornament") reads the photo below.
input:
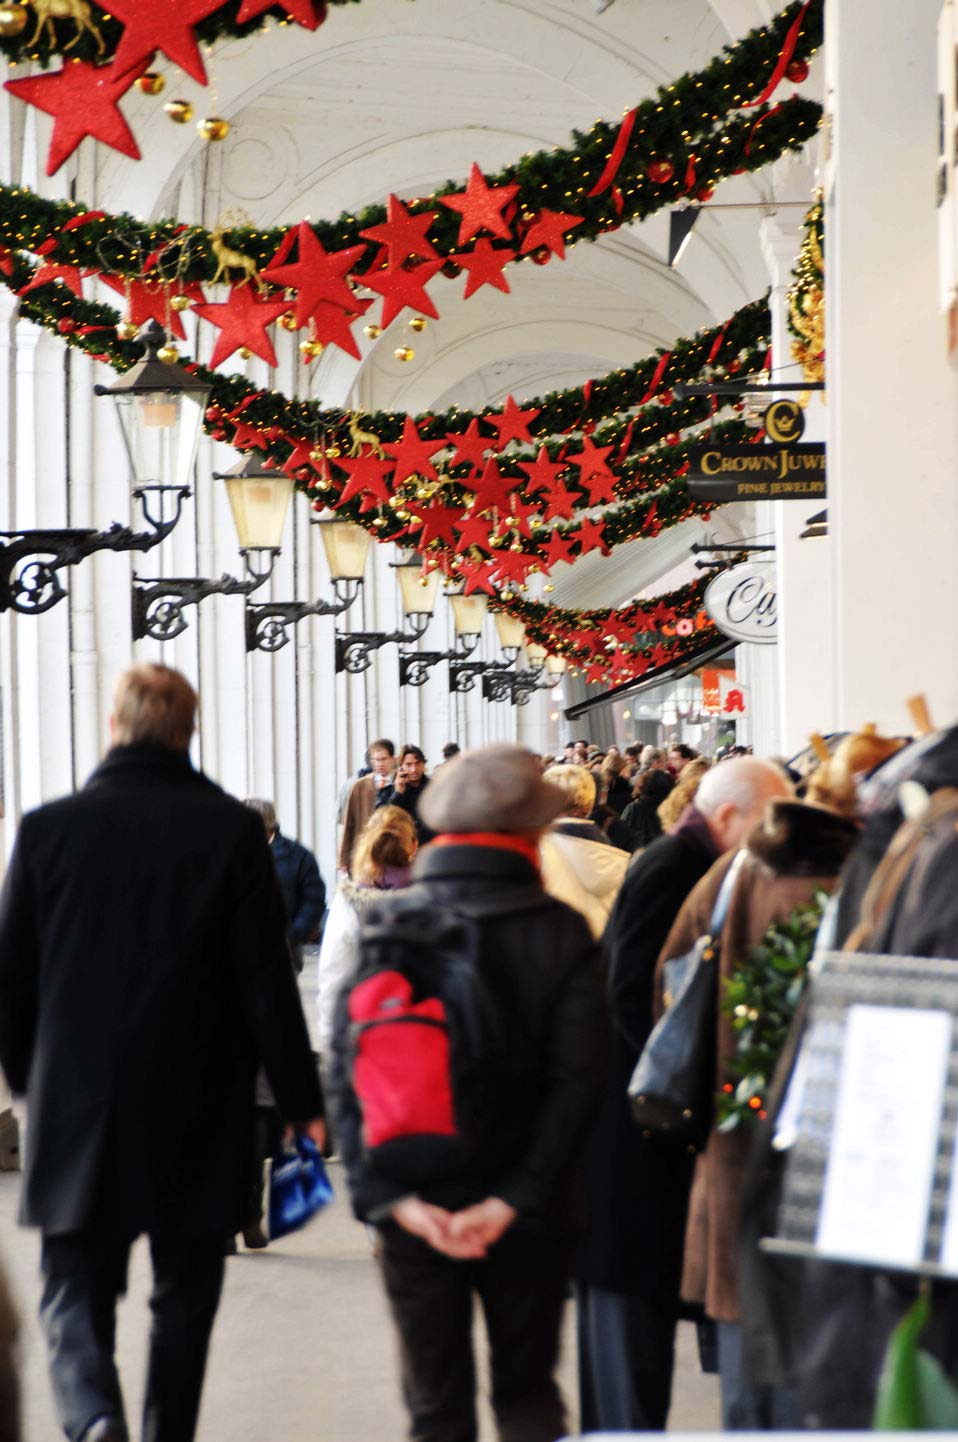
(179, 111)
(152, 83)
(214, 127)
(13, 20)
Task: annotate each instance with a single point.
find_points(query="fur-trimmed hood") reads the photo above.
(796, 839)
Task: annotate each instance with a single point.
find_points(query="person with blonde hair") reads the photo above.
(580, 865)
(144, 978)
(381, 861)
(683, 793)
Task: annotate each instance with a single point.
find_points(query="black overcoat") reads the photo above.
(144, 975)
(638, 1188)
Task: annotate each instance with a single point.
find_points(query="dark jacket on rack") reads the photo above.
(144, 975)
(540, 966)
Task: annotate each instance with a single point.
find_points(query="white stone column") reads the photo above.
(892, 402)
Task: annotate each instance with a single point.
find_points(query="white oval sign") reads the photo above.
(742, 602)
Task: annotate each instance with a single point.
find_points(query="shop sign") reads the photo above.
(743, 604)
(712, 677)
(733, 697)
(783, 470)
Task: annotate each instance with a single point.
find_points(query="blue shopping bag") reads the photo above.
(298, 1187)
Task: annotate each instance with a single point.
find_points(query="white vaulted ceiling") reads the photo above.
(401, 95)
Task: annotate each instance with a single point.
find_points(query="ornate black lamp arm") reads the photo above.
(414, 666)
(497, 683)
(158, 606)
(354, 648)
(267, 626)
(30, 560)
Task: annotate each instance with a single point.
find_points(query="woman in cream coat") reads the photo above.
(580, 865)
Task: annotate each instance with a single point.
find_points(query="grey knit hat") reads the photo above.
(498, 788)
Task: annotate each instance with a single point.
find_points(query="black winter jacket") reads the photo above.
(541, 967)
(304, 891)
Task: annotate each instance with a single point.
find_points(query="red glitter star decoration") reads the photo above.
(547, 229)
(308, 13)
(242, 321)
(167, 27)
(333, 326)
(437, 523)
(317, 275)
(590, 536)
(594, 475)
(558, 503)
(478, 577)
(300, 457)
(480, 206)
(512, 424)
(69, 275)
(367, 478)
(513, 566)
(595, 673)
(470, 446)
(559, 549)
(400, 288)
(485, 265)
(403, 234)
(542, 472)
(473, 531)
(83, 100)
(150, 300)
(492, 491)
(412, 454)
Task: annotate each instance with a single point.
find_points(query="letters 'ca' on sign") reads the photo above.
(743, 604)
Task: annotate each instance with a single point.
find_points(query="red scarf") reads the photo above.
(495, 840)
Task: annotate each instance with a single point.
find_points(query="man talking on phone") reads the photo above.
(408, 784)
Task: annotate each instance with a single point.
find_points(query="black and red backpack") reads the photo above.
(426, 1042)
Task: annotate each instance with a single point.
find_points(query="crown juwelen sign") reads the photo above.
(784, 470)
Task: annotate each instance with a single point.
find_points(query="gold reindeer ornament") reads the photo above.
(229, 262)
(362, 438)
(78, 11)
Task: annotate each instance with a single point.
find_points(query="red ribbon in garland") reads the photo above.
(782, 64)
(90, 329)
(614, 162)
(659, 373)
(760, 121)
(718, 343)
(151, 259)
(623, 450)
(76, 221)
(6, 260)
(689, 174)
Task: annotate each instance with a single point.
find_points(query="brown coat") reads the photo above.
(796, 851)
(359, 808)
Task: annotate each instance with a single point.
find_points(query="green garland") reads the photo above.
(761, 997)
(221, 24)
(806, 296)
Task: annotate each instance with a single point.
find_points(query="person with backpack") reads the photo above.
(468, 1053)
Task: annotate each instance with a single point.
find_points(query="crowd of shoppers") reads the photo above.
(524, 907)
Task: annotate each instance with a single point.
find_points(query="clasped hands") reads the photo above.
(466, 1235)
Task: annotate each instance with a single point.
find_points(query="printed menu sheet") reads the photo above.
(881, 1160)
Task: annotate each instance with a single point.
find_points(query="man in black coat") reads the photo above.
(304, 891)
(629, 1266)
(500, 1225)
(407, 789)
(144, 975)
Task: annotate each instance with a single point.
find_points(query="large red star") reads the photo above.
(595, 478)
(167, 27)
(559, 549)
(400, 288)
(542, 472)
(493, 489)
(247, 437)
(437, 523)
(403, 234)
(547, 229)
(513, 566)
(308, 13)
(83, 100)
(558, 503)
(242, 321)
(69, 275)
(413, 455)
(484, 264)
(367, 476)
(470, 446)
(512, 423)
(300, 457)
(317, 275)
(481, 206)
(591, 537)
(150, 300)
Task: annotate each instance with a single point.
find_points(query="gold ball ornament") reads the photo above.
(126, 330)
(180, 302)
(245, 352)
(310, 349)
(418, 323)
(549, 589)
(168, 353)
(179, 111)
(214, 127)
(372, 332)
(404, 353)
(288, 321)
(332, 452)
(317, 456)
(151, 83)
(13, 20)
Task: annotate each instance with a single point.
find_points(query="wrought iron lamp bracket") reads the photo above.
(267, 626)
(158, 605)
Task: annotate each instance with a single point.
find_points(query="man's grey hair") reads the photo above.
(266, 811)
(740, 783)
